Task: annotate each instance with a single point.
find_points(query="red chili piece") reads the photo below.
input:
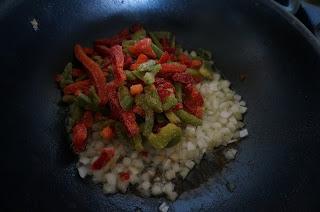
(94, 71)
(172, 68)
(127, 61)
(193, 102)
(105, 156)
(165, 57)
(117, 64)
(73, 88)
(143, 46)
(128, 120)
(87, 119)
(115, 107)
(142, 58)
(196, 64)
(124, 176)
(184, 59)
(79, 136)
(184, 78)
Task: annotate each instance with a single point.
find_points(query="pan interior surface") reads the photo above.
(276, 165)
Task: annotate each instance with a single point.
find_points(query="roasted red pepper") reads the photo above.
(117, 64)
(79, 136)
(164, 88)
(172, 68)
(94, 71)
(106, 155)
(184, 78)
(115, 107)
(114, 40)
(193, 102)
(73, 88)
(186, 60)
(128, 120)
(143, 47)
(142, 58)
(164, 58)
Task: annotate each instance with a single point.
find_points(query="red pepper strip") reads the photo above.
(196, 64)
(77, 72)
(184, 78)
(115, 107)
(173, 57)
(117, 64)
(128, 120)
(114, 40)
(82, 86)
(193, 103)
(94, 71)
(127, 62)
(124, 176)
(105, 156)
(172, 68)
(87, 119)
(165, 57)
(79, 136)
(164, 88)
(138, 110)
(166, 46)
(88, 51)
(184, 59)
(142, 58)
(143, 46)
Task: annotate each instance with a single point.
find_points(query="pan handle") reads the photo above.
(292, 6)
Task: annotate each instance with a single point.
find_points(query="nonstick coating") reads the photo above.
(277, 165)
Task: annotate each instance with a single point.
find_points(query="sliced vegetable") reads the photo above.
(156, 50)
(169, 102)
(172, 68)
(125, 99)
(117, 64)
(173, 118)
(87, 119)
(206, 70)
(94, 71)
(196, 64)
(66, 76)
(136, 89)
(107, 133)
(149, 122)
(188, 118)
(138, 35)
(79, 136)
(193, 72)
(178, 88)
(128, 120)
(130, 75)
(105, 156)
(155, 40)
(165, 136)
(142, 46)
(137, 142)
(165, 57)
(142, 58)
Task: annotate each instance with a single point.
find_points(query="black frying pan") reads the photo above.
(277, 165)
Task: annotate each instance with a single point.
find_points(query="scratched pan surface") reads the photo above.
(276, 167)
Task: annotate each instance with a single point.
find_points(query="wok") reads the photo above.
(277, 165)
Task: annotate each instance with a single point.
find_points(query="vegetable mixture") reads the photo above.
(135, 93)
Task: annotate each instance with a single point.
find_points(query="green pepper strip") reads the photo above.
(156, 50)
(149, 122)
(168, 133)
(173, 118)
(153, 97)
(137, 142)
(169, 102)
(125, 99)
(178, 88)
(66, 76)
(188, 118)
(147, 71)
(155, 40)
(206, 70)
(162, 34)
(130, 75)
